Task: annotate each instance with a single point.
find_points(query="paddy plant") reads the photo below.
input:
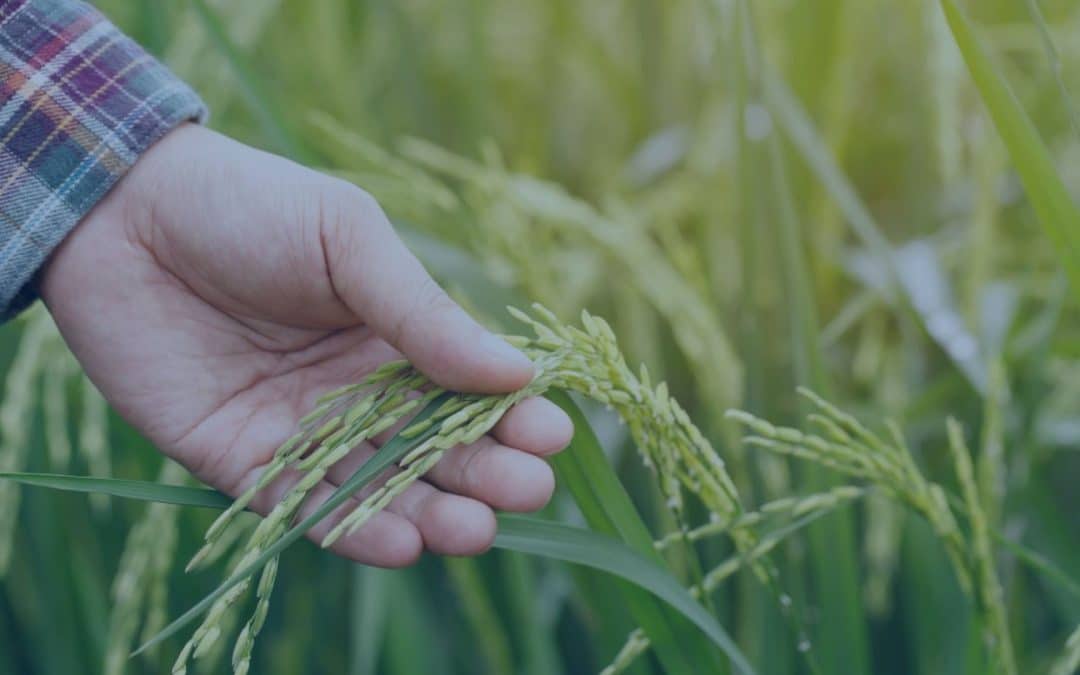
(711, 177)
(585, 360)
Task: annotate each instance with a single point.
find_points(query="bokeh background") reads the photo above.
(809, 194)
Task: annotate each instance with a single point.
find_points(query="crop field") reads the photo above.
(805, 274)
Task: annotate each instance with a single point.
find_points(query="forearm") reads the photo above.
(79, 102)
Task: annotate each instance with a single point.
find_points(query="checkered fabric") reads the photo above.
(79, 102)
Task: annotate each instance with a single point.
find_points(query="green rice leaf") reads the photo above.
(585, 547)
(1050, 199)
(842, 638)
(1053, 58)
(130, 489)
(608, 510)
(516, 533)
(486, 630)
(150, 491)
(266, 112)
(369, 617)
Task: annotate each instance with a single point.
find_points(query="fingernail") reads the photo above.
(501, 350)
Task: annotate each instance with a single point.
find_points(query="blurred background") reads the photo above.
(809, 193)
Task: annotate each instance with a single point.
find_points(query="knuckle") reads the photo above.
(470, 478)
(431, 298)
(427, 300)
(348, 222)
(344, 210)
(356, 202)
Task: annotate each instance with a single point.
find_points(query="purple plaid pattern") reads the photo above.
(79, 102)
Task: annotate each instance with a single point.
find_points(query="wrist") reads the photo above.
(116, 220)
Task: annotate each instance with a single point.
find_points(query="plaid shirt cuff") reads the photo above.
(79, 102)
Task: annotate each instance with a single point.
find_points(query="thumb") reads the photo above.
(381, 281)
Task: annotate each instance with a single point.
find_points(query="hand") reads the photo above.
(217, 290)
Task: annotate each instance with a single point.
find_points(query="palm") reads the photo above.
(233, 392)
(212, 324)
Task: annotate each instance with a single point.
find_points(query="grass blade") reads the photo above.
(806, 139)
(1053, 58)
(205, 498)
(532, 625)
(1048, 195)
(607, 508)
(130, 489)
(516, 533)
(799, 128)
(843, 640)
(269, 118)
(369, 617)
(488, 633)
(585, 547)
(150, 491)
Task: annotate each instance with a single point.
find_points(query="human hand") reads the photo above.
(217, 290)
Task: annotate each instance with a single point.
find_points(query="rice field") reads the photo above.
(805, 274)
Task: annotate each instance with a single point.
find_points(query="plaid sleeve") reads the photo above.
(79, 102)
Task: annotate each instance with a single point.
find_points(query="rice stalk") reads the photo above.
(16, 415)
(1053, 59)
(394, 174)
(191, 52)
(991, 470)
(847, 77)
(636, 644)
(882, 534)
(346, 418)
(546, 207)
(1036, 167)
(585, 360)
(794, 507)
(1069, 661)
(983, 251)
(461, 420)
(211, 657)
(805, 511)
(666, 438)
(93, 438)
(54, 398)
(488, 632)
(662, 431)
(833, 560)
(848, 447)
(990, 595)
(140, 588)
(945, 69)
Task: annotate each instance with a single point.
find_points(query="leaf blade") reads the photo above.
(607, 508)
(1050, 199)
(585, 547)
(130, 489)
(269, 117)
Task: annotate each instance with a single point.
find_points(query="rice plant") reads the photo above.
(872, 204)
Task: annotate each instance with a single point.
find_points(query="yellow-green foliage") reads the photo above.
(706, 175)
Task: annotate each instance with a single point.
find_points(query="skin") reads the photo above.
(217, 290)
